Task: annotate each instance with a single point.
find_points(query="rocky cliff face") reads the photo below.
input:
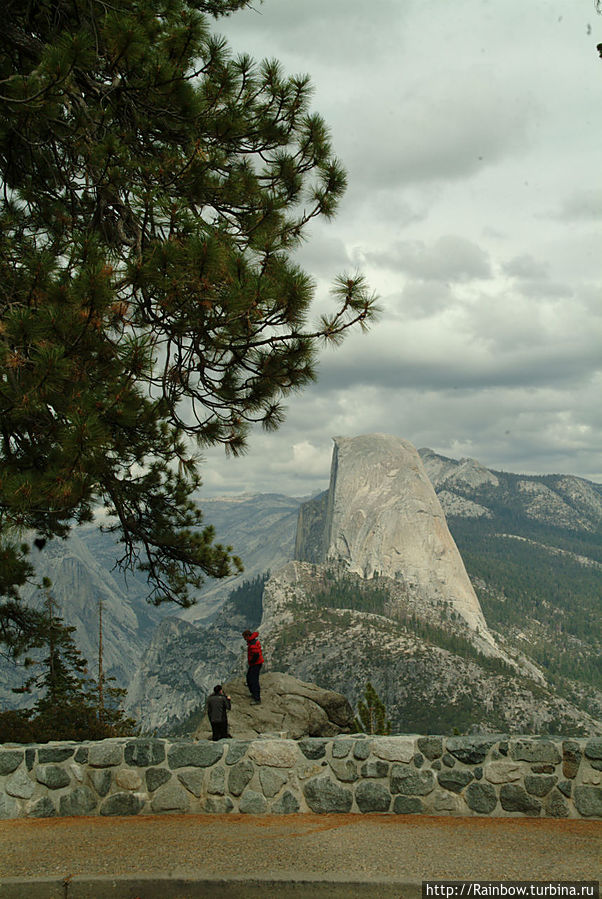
(428, 676)
(467, 489)
(381, 517)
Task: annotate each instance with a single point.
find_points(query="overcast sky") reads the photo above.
(470, 131)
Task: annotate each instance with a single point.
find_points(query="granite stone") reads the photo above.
(80, 801)
(514, 798)
(120, 804)
(481, 798)
(52, 776)
(324, 795)
(372, 797)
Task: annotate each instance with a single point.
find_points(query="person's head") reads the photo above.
(217, 688)
(246, 635)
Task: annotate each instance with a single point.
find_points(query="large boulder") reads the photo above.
(288, 706)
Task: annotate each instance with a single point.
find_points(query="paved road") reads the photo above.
(296, 855)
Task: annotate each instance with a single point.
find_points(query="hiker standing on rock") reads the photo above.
(255, 661)
(218, 706)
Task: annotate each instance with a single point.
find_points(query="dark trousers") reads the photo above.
(220, 730)
(253, 681)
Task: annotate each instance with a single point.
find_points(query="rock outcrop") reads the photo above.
(381, 517)
(288, 707)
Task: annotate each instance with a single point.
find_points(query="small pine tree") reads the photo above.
(372, 715)
(71, 705)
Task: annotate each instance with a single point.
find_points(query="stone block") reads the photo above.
(217, 781)
(272, 780)
(217, 805)
(514, 798)
(448, 760)
(10, 759)
(341, 748)
(481, 798)
(80, 801)
(539, 785)
(101, 780)
(470, 750)
(171, 798)
(274, 753)
(555, 806)
(81, 755)
(47, 754)
(431, 747)
(252, 803)
(502, 772)
(8, 807)
(121, 804)
(156, 777)
(344, 770)
(394, 749)
(287, 804)
(440, 801)
(407, 805)
(107, 754)
(588, 801)
(372, 797)
(535, 751)
(239, 776)
(128, 779)
(198, 755)
(362, 749)
(418, 760)
(565, 787)
(144, 753)
(590, 776)
(375, 768)
(406, 780)
(30, 758)
(571, 758)
(20, 785)
(236, 751)
(77, 772)
(324, 795)
(313, 748)
(52, 776)
(43, 808)
(193, 779)
(455, 780)
(593, 748)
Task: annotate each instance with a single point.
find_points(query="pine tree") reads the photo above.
(154, 190)
(70, 704)
(372, 715)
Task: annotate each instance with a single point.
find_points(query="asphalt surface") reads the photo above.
(185, 856)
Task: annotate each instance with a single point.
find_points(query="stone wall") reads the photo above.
(479, 775)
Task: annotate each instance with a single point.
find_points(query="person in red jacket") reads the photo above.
(255, 661)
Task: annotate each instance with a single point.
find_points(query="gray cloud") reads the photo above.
(449, 258)
(467, 133)
(582, 205)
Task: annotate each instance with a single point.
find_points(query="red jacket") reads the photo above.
(254, 653)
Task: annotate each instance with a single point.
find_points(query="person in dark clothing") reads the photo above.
(218, 706)
(255, 661)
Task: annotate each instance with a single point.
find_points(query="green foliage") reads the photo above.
(247, 600)
(530, 584)
(155, 189)
(372, 715)
(70, 704)
(343, 592)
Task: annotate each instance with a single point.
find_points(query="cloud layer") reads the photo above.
(471, 135)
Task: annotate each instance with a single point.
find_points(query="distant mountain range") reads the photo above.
(532, 546)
